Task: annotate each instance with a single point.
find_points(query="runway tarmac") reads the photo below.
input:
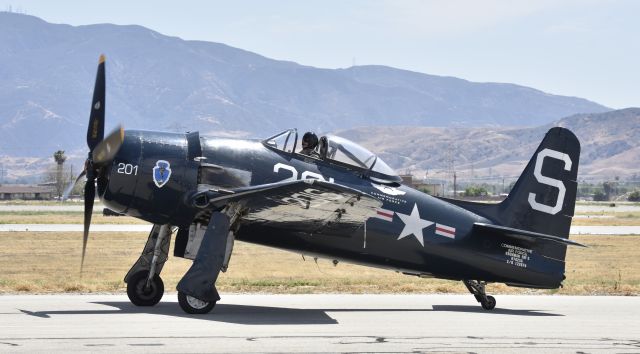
(575, 230)
(322, 323)
(48, 208)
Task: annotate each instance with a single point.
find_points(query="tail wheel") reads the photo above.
(192, 305)
(489, 303)
(140, 294)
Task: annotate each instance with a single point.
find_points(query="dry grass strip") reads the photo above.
(49, 262)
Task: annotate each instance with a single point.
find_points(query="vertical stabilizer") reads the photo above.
(544, 197)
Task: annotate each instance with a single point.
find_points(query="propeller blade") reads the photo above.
(71, 185)
(107, 149)
(95, 132)
(89, 196)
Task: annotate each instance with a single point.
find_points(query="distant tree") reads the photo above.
(600, 196)
(59, 157)
(608, 189)
(585, 189)
(78, 189)
(475, 191)
(634, 196)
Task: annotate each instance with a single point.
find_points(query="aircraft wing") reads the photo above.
(311, 206)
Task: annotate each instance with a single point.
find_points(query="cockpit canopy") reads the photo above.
(340, 151)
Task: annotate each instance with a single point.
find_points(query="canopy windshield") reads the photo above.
(285, 141)
(336, 149)
(347, 152)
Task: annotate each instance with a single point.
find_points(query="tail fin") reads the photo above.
(544, 197)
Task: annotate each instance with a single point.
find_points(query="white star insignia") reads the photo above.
(413, 224)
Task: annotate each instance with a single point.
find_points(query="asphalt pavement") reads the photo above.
(322, 323)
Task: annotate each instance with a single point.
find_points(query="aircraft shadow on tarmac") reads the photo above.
(264, 315)
(496, 311)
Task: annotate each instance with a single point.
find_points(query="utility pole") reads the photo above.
(455, 187)
(451, 165)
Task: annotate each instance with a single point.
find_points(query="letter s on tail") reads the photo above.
(537, 173)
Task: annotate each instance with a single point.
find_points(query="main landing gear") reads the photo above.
(190, 304)
(197, 293)
(476, 288)
(142, 294)
(144, 285)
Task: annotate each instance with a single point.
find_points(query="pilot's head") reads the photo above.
(309, 140)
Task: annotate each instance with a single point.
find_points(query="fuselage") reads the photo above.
(412, 232)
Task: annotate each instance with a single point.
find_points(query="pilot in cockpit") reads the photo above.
(309, 144)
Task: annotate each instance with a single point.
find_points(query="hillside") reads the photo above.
(610, 146)
(166, 83)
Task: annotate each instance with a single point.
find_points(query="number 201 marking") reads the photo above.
(537, 173)
(127, 169)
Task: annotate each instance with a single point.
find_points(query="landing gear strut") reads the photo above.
(144, 285)
(197, 293)
(477, 289)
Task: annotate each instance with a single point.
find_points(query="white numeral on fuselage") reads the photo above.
(127, 169)
(537, 173)
(295, 175)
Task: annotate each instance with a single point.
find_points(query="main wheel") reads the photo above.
(138, 292)
(489, 304)
(190, 304)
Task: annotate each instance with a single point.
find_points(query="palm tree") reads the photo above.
(60, 158)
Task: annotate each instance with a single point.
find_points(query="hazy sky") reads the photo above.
(583, 48)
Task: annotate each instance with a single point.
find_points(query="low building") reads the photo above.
(26, 192)
(407, 180)
(436, 189)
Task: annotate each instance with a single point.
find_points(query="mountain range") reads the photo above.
(158, 82)
(610, 147)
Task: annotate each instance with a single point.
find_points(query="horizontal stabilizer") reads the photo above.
(523, 234)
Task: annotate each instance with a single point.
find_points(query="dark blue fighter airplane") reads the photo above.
(342, 202)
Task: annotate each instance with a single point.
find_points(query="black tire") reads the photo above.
(490, 303)
(190, 304)
(140, 296)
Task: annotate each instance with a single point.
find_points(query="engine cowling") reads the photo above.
(151, 175)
